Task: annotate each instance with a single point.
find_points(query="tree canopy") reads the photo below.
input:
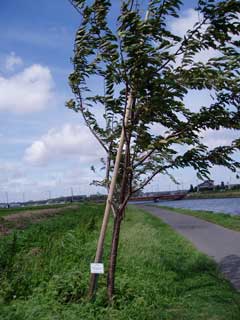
(158, 67)
(137, 56)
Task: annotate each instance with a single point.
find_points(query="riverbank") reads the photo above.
(225, 220)
(214, 194)
(45, 272)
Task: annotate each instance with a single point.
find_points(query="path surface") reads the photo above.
(222, 244)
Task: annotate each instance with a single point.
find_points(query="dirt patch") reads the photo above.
(35, 251)
(4, 230)
(23, 219)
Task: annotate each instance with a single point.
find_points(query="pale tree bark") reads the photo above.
(124, 191)
(124, 195)
(99, 252)
(120, 213)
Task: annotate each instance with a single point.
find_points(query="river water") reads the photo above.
(227, 205)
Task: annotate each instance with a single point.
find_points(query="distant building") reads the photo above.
(206, 185)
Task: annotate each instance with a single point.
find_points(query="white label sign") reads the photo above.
(97, 268)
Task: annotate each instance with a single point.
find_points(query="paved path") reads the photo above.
(222, 244)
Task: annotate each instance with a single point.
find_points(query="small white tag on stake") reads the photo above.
(97, 268)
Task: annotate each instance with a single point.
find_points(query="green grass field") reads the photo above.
(226, 220)
(7, 211)
(44, 272)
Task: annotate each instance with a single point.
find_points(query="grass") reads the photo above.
(214, 194)
(8, 211)
(223, 219)
(44, 272)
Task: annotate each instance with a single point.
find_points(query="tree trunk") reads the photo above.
(113, 256)
(118, 219)
(99, 252)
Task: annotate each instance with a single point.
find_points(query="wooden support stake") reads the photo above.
(99, 252)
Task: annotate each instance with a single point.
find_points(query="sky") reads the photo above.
(44, 146)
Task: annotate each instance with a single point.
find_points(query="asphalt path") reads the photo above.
(222, 244)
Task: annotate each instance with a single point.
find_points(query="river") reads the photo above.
(226, 205)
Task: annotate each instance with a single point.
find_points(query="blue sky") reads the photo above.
(44, 146)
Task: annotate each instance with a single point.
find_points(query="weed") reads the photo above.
(45, 272)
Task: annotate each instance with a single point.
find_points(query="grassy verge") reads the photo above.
(44, 272)
(214, 194)
(226, 220)
(8, 211)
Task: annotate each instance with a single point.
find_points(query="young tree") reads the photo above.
(137, 72)
(191, 189)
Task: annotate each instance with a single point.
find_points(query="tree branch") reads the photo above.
(81, 107)
(75, 7)
(163, 141)
(184, 42)
(125, 202)
(151, 177)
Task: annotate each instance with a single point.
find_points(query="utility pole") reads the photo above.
(6, 193)
(72, 193)
(23, 197)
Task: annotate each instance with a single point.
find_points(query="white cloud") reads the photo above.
(204, 55)
(223, 137)
(64, 142)
(12, 60)
(195, 99)
(10, 172)
(27, 91)
(186, 22)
